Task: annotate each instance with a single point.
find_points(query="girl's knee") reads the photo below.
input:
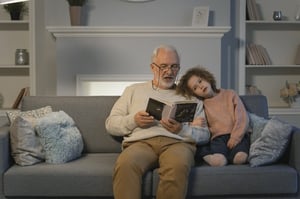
(216, 160)
(240, 158)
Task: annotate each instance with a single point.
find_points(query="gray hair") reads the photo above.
(165, 47)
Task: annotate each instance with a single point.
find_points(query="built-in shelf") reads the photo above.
(280, 40)
(17, 34)
(273, 66)
(90, 31)
(14, 25)
(271, 22)
(13, 66)
(284, 111)
(14, 22)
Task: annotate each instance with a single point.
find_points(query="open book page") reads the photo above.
(181, 111)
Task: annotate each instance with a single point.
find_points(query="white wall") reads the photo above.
(126, 53)
(89, 59)
(154, 13)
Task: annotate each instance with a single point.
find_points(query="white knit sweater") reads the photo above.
(134, 99)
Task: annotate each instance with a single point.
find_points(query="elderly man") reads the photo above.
(166, 144)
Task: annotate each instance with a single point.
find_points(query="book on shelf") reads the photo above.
(249, 56)
(23, 92)
(252, 10)
(257, 55)
(265, 56)
(181, 111)
(297, 58)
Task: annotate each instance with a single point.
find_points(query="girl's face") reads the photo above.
(200, 87)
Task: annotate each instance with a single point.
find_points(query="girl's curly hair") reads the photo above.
(199, 71)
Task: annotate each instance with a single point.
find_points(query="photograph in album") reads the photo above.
(181, 111)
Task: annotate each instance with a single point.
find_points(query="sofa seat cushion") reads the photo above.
(239, 180)
(88, 176)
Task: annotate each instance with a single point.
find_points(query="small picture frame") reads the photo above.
(200, 16)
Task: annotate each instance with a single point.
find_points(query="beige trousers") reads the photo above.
(174, 159)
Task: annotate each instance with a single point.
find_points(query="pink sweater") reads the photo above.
(226, 114)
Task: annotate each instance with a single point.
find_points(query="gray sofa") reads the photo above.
(91, 174)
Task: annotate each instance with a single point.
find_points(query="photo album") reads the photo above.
(181, 111)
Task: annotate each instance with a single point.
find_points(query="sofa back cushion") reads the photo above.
(89, 114)
(256, 104)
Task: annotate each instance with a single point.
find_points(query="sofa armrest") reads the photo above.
(4, 149)
(5, 159)
(294, 155)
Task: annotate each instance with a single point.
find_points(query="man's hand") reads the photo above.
(143, 119)
(171, 125)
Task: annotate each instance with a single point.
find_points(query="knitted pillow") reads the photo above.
(271, 145)
(59, 137)
(257, 125)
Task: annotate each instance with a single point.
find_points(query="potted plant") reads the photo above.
(76, 2)
(75, 11)
(16, 10)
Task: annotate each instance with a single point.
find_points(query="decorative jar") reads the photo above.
(277, 15)
(21, 57)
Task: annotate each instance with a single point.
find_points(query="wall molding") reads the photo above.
(140, 31)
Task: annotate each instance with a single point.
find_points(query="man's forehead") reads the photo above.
(168, 57)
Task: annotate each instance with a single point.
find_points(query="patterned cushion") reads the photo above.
(13, 114)
(26, 148)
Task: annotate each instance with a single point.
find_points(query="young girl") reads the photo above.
(226, 116)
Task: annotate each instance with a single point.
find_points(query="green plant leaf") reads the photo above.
(76, 2)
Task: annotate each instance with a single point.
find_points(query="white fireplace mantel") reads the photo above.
(140, 31)
(126, 50)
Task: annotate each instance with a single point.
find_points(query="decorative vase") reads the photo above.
(75, 15)
(15, 15)
(297, 15)
(296, 103)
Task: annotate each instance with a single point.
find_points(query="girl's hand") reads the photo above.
(232, 143)
(199, 121)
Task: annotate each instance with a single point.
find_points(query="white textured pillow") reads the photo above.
(272, 144)
(26, 148)
(59, 137)
(13, 114)
(257, 125)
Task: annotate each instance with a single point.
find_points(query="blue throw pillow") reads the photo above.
(59, 137)
(272, 143)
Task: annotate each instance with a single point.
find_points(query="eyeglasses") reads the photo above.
(165, 67)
